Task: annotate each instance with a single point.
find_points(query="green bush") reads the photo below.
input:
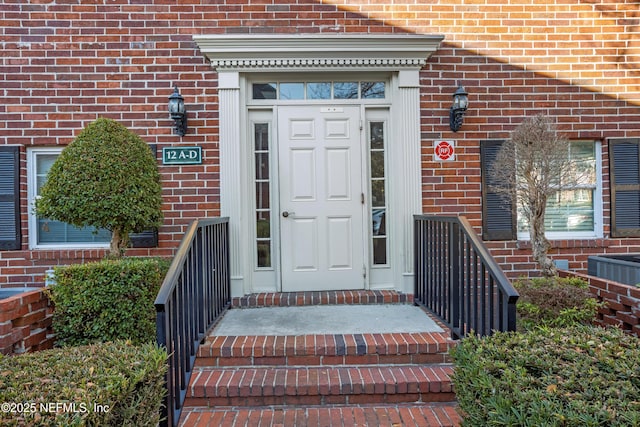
(108, 178)
(555, 302)
(576, 376)
(107, 384)
(107, 300)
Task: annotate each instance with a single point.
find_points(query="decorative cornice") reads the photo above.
(317, 52)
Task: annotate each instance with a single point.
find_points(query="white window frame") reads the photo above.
(32, 185)
(597, 231)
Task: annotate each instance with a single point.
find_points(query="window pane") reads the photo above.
(263, 223)
(262, 136)
(56, 232)
(59, 232)
(43, 164)
(45, 161)
(583, 153)
(377, 193)
(264, 91)
(291, 90)
(372, 90)
(345, 90)
(378, 219)
(262, 195)
(376, 136)
(379, 251)
(262, 165)
(570, 211)
(264, 253)
(319, 90)
(377, 164)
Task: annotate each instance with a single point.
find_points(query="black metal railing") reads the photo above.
(458, 280)
(195, 292)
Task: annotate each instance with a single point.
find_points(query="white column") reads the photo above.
(410, 198)
(230, 178)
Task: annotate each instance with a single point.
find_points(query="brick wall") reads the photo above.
(64, 64)
(25, 323)
(622, 308)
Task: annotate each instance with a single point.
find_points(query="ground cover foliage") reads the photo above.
(573, 376)
(557, 370)
(106, 384)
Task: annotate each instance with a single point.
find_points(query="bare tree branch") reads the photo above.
(530, 168)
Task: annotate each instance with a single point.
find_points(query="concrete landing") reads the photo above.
(325, 319)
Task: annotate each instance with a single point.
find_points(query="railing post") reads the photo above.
(454, 271)
(161, 338)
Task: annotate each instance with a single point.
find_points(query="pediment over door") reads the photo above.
(336, 52)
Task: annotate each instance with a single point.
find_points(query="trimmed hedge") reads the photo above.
(107, 177)
(107, 384)
(107, 301)
(554, 302)
(576, 376)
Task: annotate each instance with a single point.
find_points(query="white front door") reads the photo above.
(322, 240)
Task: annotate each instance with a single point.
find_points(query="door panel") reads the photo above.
(321, 221)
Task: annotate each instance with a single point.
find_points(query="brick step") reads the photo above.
(319, 350)
(290, 299)
(213, 387)
(420, 415)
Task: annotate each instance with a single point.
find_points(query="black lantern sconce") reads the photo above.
(458, 109)
(178, 112)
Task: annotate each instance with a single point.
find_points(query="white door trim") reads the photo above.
(303, 56)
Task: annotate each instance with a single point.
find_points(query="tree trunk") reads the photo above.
(118, 243)
(539, 243)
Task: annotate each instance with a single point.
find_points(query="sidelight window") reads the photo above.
(262, 185)
(379, 241)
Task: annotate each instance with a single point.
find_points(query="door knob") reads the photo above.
(286, 214)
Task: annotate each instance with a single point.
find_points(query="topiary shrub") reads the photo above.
(107, 300)
(578, 376)
(554, 302)
(106, 178)
(107, 384)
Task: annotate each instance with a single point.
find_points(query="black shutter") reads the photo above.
(10, 238)
(498, 214)
(147, 238)
(624, 160)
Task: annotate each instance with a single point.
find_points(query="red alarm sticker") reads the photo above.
(444, 150)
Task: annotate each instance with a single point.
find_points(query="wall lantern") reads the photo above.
(458, 109)
(178, 112)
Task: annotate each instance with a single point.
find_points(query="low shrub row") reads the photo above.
(107, 384)
(107, 300)
(574, 376)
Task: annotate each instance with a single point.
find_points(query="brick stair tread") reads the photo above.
(366, 348)
(320, 381)
(287, 299)
(423, 414)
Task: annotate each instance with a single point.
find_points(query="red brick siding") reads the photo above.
(64, 65)
(25, 323)
(622, 308)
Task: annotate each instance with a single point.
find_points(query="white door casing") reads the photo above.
(237, 57)
(322, 240)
